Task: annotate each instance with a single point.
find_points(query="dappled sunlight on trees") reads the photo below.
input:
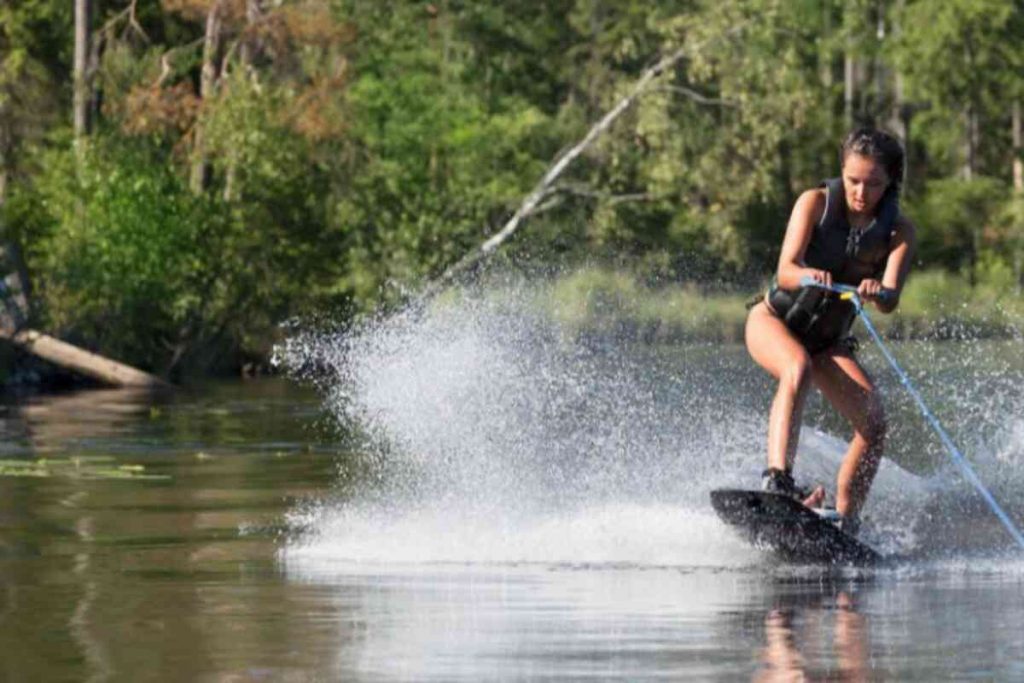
(251, 161)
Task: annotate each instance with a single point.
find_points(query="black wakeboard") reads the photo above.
(789, 529)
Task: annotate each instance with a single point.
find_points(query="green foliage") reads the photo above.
(29, 67)
(436, 160)
(345, 151)
(937, 303)
(958, 222)
(115, 262)
(960, 57)
(615, 302)
(932, 290)
(129, 260)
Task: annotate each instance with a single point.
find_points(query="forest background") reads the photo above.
(182, 176)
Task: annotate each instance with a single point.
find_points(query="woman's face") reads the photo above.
(864, 181)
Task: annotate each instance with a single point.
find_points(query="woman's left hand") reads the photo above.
(869, 290)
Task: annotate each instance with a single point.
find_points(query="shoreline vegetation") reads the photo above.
(601, 302)
(607, 302)
(179, 179)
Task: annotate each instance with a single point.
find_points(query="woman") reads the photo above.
(847, 231)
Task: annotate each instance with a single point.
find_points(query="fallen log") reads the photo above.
(14, 303)
(83, 362)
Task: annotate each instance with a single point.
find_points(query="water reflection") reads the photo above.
(154, 580)
(46, 423)
(824, 637)
(179, 580)
(448, 623)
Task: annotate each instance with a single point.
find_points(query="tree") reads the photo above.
(958, 56)
(83, 70)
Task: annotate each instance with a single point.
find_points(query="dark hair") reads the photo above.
(880, 146)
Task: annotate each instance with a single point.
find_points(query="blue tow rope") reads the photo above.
(850, 293)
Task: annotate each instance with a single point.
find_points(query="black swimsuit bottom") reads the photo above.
(818, 326)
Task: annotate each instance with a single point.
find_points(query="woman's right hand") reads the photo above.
(821, 277)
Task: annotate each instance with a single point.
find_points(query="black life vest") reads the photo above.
(817, 317)
(851, 255)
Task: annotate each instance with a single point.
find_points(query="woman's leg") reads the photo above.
(846, 385)
(774, 348)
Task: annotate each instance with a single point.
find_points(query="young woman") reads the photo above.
(847, 231)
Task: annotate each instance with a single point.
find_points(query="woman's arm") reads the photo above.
(807, 213)
(897, 266)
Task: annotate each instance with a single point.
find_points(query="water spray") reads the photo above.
(850, 294)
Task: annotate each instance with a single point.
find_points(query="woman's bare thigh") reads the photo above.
(770, 342)
(846, 385)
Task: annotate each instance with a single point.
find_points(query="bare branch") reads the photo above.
(165, 60)
(586, 191)
(134, 22)
(543, 188)
(546, 206)
(127, 15)
(696, 96)
(556, 197)
(209, 78)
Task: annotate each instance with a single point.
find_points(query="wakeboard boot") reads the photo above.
(774, 480)
(848, 525)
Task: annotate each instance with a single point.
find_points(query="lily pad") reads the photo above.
(77, 467)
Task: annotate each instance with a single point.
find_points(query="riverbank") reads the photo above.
(600, 302)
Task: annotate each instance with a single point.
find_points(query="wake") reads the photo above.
(491, 435)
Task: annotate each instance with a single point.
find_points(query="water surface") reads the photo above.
(468, 504)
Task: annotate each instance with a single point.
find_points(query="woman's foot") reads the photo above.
(848, 525)
(774, 480)
(816, 497)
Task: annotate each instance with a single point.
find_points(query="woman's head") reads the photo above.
(872, 163)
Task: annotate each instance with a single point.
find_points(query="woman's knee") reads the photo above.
(796, 373)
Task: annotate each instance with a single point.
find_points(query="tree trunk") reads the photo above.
(827, 72)
(876, 101)
(245, 56)
(897, 111)
(849, 87)
(13, 275)
(14, 292)
(970, 138)
(83, 362)
(970, 171)
(898, 114)
(252, 15)
(6, 140)
(825, 51)
(82, 95)
(207, 84)
(970, 122)
(1018, 147)
(1017, 136)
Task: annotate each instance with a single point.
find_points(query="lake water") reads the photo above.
(471, 496)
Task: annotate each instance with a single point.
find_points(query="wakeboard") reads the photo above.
(788, 528)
